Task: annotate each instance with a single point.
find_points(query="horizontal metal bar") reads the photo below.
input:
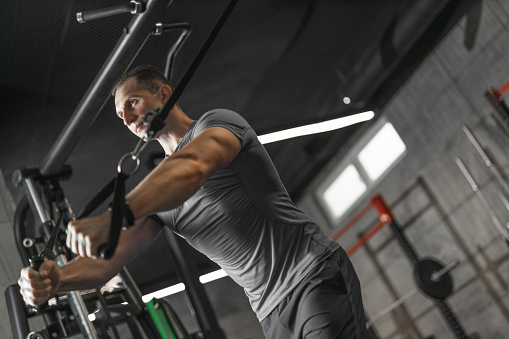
(119, 60)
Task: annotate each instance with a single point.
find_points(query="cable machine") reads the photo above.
(43, 213)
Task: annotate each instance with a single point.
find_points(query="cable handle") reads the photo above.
(132, 156)
(154, 120)
(107, 250)
(135, 154)
(35, 263)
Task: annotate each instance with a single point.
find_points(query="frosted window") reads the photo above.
(344, 191)
(379, 154)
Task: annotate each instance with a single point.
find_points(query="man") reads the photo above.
(219, 189)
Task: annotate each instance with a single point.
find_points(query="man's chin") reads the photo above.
(142, 135)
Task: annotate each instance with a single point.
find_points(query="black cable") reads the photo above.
(151, 116)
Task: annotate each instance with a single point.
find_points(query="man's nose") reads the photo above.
(129, 119)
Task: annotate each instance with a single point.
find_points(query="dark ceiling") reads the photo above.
(279, 63)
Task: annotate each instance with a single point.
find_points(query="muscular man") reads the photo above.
(217, 188)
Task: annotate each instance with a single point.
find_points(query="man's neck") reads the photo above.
(176, 126)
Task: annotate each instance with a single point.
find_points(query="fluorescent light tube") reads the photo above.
(164, 292)
(320, 127)
(212, 276)
(181, 287)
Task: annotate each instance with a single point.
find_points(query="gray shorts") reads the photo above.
(326, 305)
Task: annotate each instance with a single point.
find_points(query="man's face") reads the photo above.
(132, 103)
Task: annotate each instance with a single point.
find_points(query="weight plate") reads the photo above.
(440, 289)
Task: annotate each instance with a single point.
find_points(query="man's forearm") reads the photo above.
(85, 273)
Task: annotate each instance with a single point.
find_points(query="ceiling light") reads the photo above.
(320, 127)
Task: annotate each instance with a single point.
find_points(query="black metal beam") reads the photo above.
(186, 270)
(130, 43)
(17, 312)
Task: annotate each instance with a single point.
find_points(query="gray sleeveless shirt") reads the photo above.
(243, 219)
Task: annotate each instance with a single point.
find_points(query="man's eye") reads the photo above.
(132, 102)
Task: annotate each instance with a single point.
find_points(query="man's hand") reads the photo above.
(38, 287)
(84, 236)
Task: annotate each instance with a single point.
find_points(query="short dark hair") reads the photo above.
(148, 77)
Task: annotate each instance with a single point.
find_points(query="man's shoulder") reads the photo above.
(219, 113)
(227, 119)
(221, 117)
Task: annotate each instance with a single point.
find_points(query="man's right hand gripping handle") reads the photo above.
(37, 287)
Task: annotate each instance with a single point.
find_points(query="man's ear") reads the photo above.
(165, 91)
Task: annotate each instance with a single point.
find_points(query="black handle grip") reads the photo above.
(104, 12)
(106, 251)
(35, 263)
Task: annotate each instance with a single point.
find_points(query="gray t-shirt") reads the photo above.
(243, 219)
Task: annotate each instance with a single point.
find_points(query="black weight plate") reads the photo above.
(440, 289)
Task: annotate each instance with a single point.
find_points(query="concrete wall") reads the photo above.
(442, 216)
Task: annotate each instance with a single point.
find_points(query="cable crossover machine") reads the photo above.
(41, 215)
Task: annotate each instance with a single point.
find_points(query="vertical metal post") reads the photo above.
(443, 306)
(35, 200)
(75, 300)
(205, 314)
(78, 307)
(17, 312)
(384, 210)
(451, 319)
(133, 296)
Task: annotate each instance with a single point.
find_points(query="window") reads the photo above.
(381, 151)
(348, 181)
(360, 170)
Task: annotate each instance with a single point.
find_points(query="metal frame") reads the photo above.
(125, 51)
(387, 218)
(123, 54)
